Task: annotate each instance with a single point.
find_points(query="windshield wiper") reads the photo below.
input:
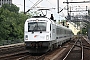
(40, 31)
(32, 31)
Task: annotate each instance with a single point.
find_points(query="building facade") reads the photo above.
(5, 2)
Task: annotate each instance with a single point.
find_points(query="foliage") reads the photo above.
(11, 8)
(83, 31)
(11, 23)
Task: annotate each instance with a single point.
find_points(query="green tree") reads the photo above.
(11, 8)
(11, 24)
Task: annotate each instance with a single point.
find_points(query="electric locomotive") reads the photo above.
(42, 34)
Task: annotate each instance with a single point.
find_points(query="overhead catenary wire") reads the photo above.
(50, 3)
(31, 1)
(34, 5)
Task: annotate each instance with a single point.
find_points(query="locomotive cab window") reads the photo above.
(36, 26)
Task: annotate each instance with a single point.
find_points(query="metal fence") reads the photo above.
(8, 42)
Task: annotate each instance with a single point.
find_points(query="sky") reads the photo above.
(52, 4)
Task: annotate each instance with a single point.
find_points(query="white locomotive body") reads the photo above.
(42, 34)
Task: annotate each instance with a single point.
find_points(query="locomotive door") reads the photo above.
(53, 32)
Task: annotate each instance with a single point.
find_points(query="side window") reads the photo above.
(57, 31)
(53, 30)
(61, 31)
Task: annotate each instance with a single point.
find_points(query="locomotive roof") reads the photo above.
(38, 17)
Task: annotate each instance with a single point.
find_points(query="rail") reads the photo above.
(70, 51)
(32, 57)
(82, 50)
(72, 48)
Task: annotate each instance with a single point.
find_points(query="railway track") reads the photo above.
(26, 56)
(86, 47)
(79, 50)
(31, 57)
(76, 51)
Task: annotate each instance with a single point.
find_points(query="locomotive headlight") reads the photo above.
(47, 37)
(26, 37)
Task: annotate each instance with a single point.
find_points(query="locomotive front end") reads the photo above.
(37, 35)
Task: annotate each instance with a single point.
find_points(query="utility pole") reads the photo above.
(67, 9)
(24, 6)
(58, 5)
(86, 13)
